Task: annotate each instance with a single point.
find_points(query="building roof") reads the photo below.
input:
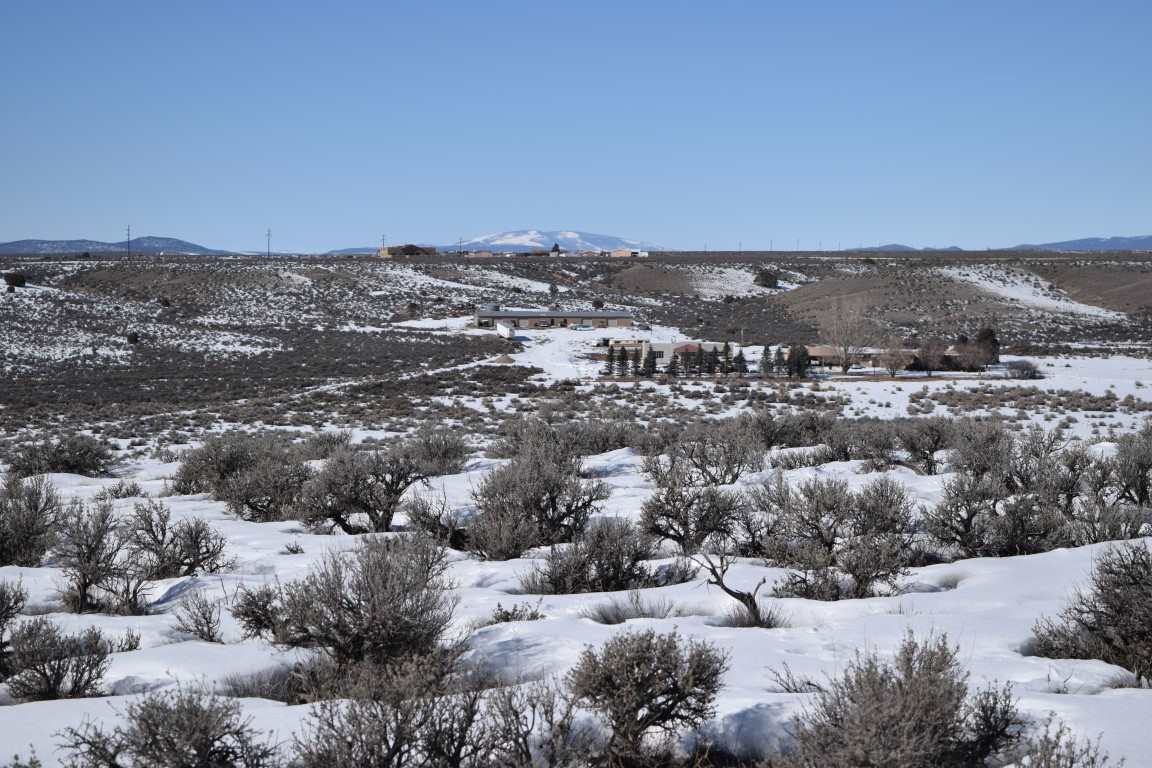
(590, 314)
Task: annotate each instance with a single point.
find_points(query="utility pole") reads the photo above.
(128, 242)
(268, 243)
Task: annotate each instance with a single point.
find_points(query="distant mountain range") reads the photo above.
(1087, 245)
(516, 241)
(524, 240)
(150, 245)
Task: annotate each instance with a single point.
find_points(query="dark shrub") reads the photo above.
(28, 514)
(1112, 620)
(911, 712)
(268, 490)
(182, 729)
(532, 501)
(1023, 369)
(360, 492)
(89, 551)
(690, 515)
(47, 664)
(12, 599)
(386, 600)
(439, 452)
(199, 617)
(646, 685)
(609, 556)
(15, 279)
(77, 454)
(169, 550)
(923, 439)
(207, 468)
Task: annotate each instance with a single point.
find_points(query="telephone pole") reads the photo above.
(128, 242)
(268, 243)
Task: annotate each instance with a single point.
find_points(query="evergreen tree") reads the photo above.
(726, 358)
(648, 367)
(798, 361)
(989, 345)
(622, 363)
(610, 363)
(739, 364)
(698, 361)
(779, 365)
(673, 368)
(712, 361)
(636, 362)
(767, 366)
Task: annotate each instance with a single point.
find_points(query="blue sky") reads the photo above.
(685, 123)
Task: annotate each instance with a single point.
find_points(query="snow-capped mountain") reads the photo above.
(542, 240)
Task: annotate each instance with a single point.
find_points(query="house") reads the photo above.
(626, 253)
(555, 317)
(408, 249)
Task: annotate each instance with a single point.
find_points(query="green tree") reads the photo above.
(798, 361)
(636, 362)
(739, 363)
(673, 368)
(622, 363)
(610, 362)
(726, 359)
(712, 361)
(698, 361)
(779, 365)
(648, 367)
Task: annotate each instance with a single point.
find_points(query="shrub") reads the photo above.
(12, 600)
(633, 607)
(207, 468)
(689, 515)
(436, 519)
(386, 600)
(47, 664)
(176, 729)
(15, 279)
(266, 491)
(199, 617)
(1112, 620)
(1133, 465)
(28, 514)
(913, 711)
(1023, 369)
(89, 551)
(518, 612)
(324, 445)
(839, 543)
(362, 486)
(122, 489)
(646, 684)
(709, 454)
(532, 501)
(923, 439)
(440, 452)
(608, 557)
(77, 454)
(169, 550)
(750, 612)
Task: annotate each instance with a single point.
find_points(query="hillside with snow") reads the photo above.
(568, 240)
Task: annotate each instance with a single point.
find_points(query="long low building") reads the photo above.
(552, 318)
(663, 351)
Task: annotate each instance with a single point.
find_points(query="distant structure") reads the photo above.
(627, 253)
(663, 351)
(408, 249)
(492, 315)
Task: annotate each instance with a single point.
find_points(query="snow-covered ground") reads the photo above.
(715, 282)
(1026, 288)
(985, 606)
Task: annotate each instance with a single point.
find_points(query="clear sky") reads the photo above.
(684, 123)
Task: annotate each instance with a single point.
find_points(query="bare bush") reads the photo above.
(170, 550)
(646, 685)
(323, 445)
(360, 492)
(435, 518)
(199, 617)
(689, 515)
(76, 453)
(532, 501)
(29, 510)
(839, 543)
(121, 489)
(170, 729)
(1111, 620)
(207, 468)
(750, 612)
(387, 599)
(1133, 465)
(1023, 369)
(47, 664)
(709, 453)
(913, 711)
(608, 557)
(923, 439)
(12, 601)
(268, 490)
(440, 452)
(89, 551)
